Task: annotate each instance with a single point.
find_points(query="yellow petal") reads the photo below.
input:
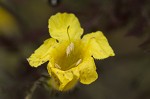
(87, 71)
(97, 45)
(42, 54)
(64, 26)
(63, 80)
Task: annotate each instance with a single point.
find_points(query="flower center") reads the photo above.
(71, 57)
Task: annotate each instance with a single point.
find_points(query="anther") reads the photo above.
(78, 62)
(57, 66)
(69, 48)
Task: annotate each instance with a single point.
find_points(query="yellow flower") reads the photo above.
(70, 57)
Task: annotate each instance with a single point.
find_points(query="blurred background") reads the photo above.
(125, 23)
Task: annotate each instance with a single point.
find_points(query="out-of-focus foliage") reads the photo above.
(24, 25)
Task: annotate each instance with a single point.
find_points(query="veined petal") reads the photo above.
(63, 80)
(41, 55)
(97, 45)
(63, 26)
(87, 70)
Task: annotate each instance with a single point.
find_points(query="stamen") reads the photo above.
(57, 66)
(69, 48)
(78, 62)
(75, 64)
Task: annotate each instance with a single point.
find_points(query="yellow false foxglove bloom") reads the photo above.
(70, 57)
